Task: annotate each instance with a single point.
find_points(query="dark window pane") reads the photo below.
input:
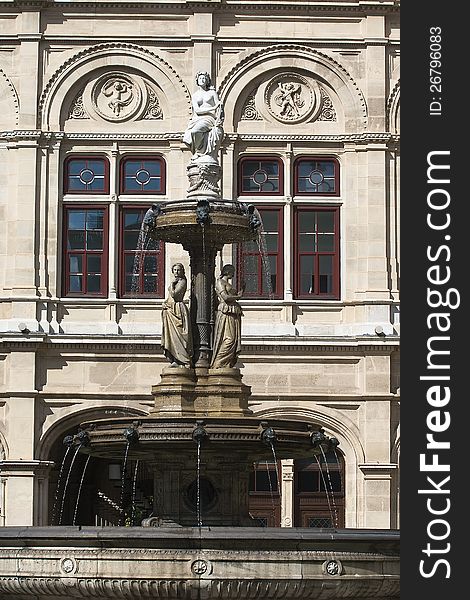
(132, 283)
(131, 167)
(150, 264)
(76, 185)
(76, 240)
(327, 168)
(132, 219)
(131, 239)
(272, 264)
(249, 167)
(307, 221)
(326, 242)
(150, 283)
(271, 240)
(153, 167)
(97, 166)
(75, 263)
(75, 283)
(251, 264)
(94, 219)
(94, 240)
(271, 168)
(326, 221)
(131, 184)
(93, 264)
(307, 242)
(97, 185)
(308, 481)
(75, 166)
(270, 220)
(251, 284)
(93, 283)
(305, 167)
(76, 219)
(129, 262)
(266, 481)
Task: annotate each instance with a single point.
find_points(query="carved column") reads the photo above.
(287, 493)
(202, 264)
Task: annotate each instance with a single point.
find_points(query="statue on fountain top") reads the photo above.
(204, 136)
(204, 132)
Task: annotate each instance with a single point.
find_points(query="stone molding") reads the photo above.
(393, 106)
(13, 95)
(98, 50)
(383, 6)
(49, 137)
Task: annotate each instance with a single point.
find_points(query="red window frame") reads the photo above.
(142, 157)
(66, 252)
(316, 254)
(86, 157)
(159, 252)
(260, 159)
(242, 252)
(311, 158)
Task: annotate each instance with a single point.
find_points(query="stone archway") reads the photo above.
(114, 60)
(295, 59)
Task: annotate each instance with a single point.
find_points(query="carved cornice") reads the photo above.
(58, 136)
(385, 6)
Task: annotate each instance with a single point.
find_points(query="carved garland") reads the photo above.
(276, 50)
(392, 103)
(110, 46)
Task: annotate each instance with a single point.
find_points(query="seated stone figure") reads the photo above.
(226, 344)
(176, 331)
(204, 132)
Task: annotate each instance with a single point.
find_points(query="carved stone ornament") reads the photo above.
(118, 96)
(291, 98)
(77, 110)
(249, 112)
(328, 112)
(68, 566)
(332, 567)
(153, 109)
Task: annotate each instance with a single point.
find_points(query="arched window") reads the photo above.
(142, 175)
(316, 176)
(262, 176)
(86, 175)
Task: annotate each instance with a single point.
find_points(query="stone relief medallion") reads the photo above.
(68, 566)
(332, 567)
(118, 96)
(201, 567)
(291, 98)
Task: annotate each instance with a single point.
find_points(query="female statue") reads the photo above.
(227, 330)
(176, 331)
(204, 132)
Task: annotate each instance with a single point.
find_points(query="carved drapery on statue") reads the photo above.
(226, 344)
(176, 324)
(203, 136)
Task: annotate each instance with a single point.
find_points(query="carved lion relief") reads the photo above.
(116, 97)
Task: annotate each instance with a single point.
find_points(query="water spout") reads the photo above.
(80, 489)
(199, 433)
(67, 441)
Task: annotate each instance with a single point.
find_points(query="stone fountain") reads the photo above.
(200, 441)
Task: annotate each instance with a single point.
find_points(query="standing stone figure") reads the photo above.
(204, 132)
(176, 331)
(226, 345)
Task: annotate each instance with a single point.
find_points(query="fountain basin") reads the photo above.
(164, 438)
(227, 222)
(55, 563)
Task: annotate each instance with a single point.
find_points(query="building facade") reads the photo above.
(94, 99)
